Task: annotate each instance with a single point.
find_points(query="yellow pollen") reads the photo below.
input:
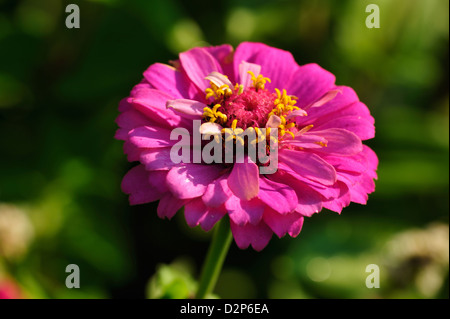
(211, 115)
(223, 91)
(258, 81)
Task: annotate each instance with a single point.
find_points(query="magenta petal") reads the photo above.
(224, 55)
(309, 201)
(362, 127)
(242, 211)
(256, 235)
(309, 165)
(150, 137)
(198, 63)
(217, 192)
(329, 191)
(310, 82)
(339, 202)
(197, 213)
(281, 224)
(339, 141)
(194, 211)
(244, 180)
(167, 79)
(156, 158)
(129, 120)
(133, 153)
(135, 183)
(191, 180)
(152, 103)
(309, 141)
(276, 64)
(169, 205)
(372, 161)
(157, 180)
(279, 197)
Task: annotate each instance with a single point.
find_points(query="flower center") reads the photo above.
(251, 108)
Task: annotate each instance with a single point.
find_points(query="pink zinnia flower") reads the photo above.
(322, 162)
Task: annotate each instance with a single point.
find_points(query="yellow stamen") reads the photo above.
(258, 81)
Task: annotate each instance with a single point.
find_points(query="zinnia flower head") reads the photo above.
(321, 161)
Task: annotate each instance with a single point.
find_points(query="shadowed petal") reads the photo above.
(135, 183)
(281, 224)
(256, 235)
(242, 211)
(169, 205)
(191, 180)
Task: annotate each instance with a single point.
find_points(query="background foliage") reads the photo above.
(60, 168)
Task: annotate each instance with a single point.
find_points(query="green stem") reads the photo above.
(214, 260)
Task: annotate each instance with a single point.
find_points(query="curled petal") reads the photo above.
(219, 79)
(187, 108)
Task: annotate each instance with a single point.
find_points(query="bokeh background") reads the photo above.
(60, 168)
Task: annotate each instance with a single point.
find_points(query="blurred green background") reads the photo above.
(60, 168)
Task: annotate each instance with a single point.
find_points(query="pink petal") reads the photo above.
(135, 183)
(281, 224)
(169, 205)
(309, 201)
(198, 63)
(244, 179)
(339, 141)
(167, 79)
(256, 235)
(152, 103)
(217, 192)
(242, 212)
(196, 213)
(328, 192)
(244, 77)
(224, 55)
(339, 202)
(189, 109)
(372, 161)
(279, 197)
(133, 153)
(156, 158)
(276, 64)
(306, 141)
(150, 137)
(362, 127)
(309, 83)
(191, 180)
(309, 165)
(129, 120)
(157, 180)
